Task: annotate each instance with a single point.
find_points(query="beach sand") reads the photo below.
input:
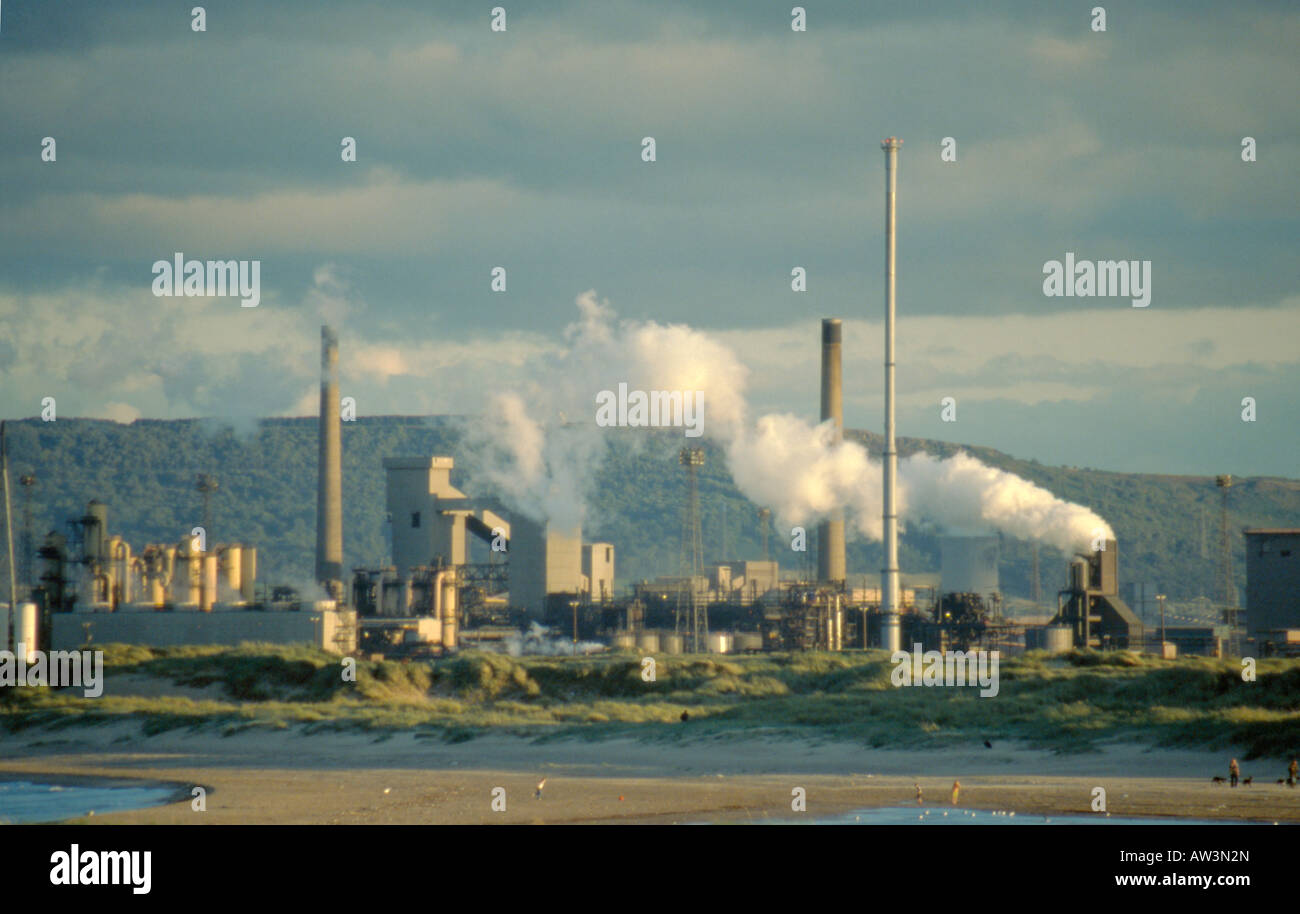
(288, 777)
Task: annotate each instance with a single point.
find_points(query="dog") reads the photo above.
(1246, 782)
(1218, 780)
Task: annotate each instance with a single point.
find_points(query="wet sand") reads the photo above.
(287, 777)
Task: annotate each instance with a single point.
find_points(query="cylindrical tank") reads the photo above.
(720, 642)
(1079, 575)
(748, 641)
(891, 632)
(450, 611)
(25, 630)
(648, 641)
(230, 555)
(210, 577)
(672, 643)
(623, 641)
(1058, 639)
(247, 572)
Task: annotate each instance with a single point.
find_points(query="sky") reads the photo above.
(522, 149)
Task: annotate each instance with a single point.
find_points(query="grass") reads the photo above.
(1069, 703)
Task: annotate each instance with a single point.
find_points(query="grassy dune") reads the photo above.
(1067, 703)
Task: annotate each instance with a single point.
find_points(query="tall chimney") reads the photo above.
(889, 602)
(830, 536)
(329, 490)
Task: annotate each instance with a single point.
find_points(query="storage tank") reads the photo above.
(720, 642)
(623, 641)
(1058, 639)
(25, 630)
(229, 556)
(247, 572)
(969, 564)
(209, 585)
(672, 643)
(648, 641)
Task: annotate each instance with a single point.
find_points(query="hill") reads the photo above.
(145, 472)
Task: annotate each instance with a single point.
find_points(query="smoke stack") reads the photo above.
(329, 491)
(889, 574)
(830, 536)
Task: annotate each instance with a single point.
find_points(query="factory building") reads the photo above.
(94, 589)
(1092, 607)
(545, 561)
(1273, 587)
(598, 570)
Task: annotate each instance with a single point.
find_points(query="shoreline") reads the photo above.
(291, 777)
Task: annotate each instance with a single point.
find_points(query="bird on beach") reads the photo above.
(540, 785)
(686, 715)
(956, 791)
(987, 744)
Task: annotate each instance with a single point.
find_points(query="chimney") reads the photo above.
(329, 490)
(830, 535)
(889, 603)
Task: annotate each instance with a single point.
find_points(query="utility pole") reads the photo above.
(27, 480)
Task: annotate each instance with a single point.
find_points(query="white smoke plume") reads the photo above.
(541, 449)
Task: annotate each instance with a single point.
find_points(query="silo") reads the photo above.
(25, 632)
(209, 585)
(247, 572)
(969, 564)
(648, 641)
(231, 568)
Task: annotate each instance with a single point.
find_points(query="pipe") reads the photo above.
(889, 574)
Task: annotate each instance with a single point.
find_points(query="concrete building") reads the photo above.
(544, 560)
(1272, 581)
(428, 513)
(598, 569)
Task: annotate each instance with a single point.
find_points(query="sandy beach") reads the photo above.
(287, 777)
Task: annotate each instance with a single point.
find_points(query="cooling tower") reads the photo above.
(329, 492)
(830, 535)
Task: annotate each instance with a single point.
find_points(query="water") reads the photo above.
(25, 801)
(893, 815)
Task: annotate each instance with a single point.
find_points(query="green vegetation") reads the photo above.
(1069, 703)
(145, 473)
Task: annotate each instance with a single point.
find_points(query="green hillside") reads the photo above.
(145, 473)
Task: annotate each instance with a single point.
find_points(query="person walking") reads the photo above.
(1233, 772)
(1292, 773)
(956, 791)
(918, 794)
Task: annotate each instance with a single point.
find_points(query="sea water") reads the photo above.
(27, 801)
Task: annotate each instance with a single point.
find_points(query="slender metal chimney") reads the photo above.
(329, 491)
(830, 535)
(889, 602)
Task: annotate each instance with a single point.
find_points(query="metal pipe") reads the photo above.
(9, 539)
(889, 574)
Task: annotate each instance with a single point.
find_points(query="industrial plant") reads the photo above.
(469, 570)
